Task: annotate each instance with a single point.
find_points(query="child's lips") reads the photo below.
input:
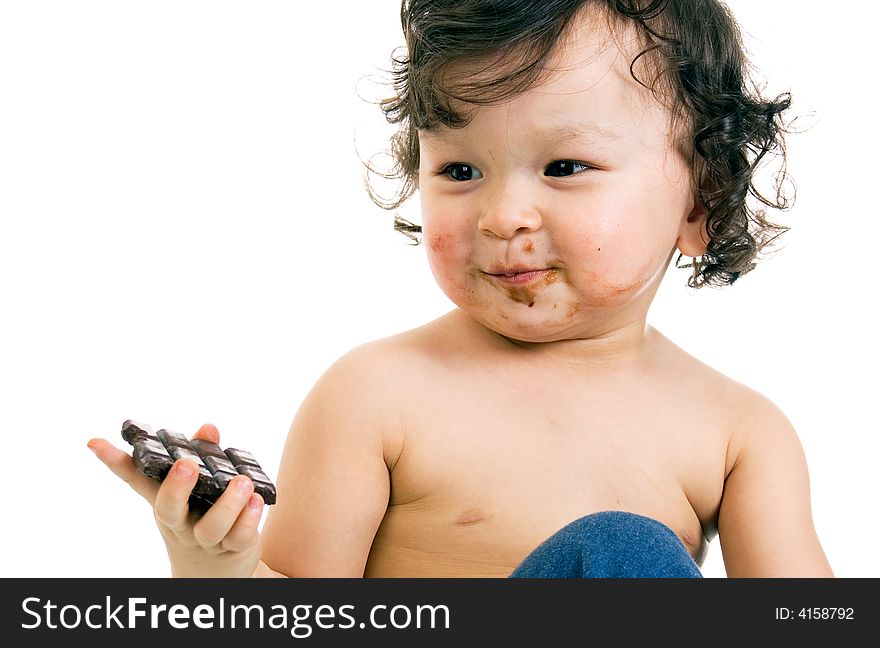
(519, 278)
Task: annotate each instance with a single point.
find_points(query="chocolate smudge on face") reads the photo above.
(528, 248)
(437, 243)
(521, 295)
(616, 290)
(525, 294)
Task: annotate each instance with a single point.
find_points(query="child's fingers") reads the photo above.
(172, 498)
(208, 432)
(243, 533)
(216, 523)
(123, 467)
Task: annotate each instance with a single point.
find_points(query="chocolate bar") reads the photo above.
(155, 453)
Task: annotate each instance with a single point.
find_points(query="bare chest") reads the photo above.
(487, 473)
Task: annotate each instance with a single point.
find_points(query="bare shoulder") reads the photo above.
(738, 410)
(752, 422)
(376, 381)
(379, 364)
(759, 426)
(409, 353)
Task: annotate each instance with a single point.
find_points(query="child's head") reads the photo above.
(480, 73)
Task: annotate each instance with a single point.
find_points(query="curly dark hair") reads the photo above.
(693, 50)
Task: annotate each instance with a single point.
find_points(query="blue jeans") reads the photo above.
(610, 544)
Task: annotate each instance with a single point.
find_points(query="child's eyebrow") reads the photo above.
(581, 130)
(563, 131)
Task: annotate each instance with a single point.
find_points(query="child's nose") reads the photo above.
(508, 210)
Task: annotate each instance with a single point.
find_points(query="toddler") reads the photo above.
(563, 151)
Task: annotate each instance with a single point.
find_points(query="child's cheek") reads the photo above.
(441, 236)
(446, 260)
(618, 262)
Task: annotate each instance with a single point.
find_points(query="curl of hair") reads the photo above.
(728, 130)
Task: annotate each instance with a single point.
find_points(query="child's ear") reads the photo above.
(693, 239)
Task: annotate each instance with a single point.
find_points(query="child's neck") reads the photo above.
(624, 346)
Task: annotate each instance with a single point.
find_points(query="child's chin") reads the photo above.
(523, 330)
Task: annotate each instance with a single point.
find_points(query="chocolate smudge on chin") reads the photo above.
(525, 294)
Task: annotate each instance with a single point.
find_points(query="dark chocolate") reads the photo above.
(131, 429)
(155, 453)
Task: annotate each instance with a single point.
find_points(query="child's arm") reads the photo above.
(334, 479)
(765, 520)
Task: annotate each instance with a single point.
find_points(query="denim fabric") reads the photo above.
(610, 544)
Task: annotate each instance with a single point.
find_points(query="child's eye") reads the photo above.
(562, 168)
(460, 172)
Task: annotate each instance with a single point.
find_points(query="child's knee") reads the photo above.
(610, 544)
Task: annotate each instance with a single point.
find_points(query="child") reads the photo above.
(564, 151)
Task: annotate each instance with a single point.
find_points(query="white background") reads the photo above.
(185, 237)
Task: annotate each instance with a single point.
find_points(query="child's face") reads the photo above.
(575, 185)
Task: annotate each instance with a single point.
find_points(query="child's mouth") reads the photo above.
(524, 277)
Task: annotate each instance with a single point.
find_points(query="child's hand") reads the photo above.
(223, 542)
